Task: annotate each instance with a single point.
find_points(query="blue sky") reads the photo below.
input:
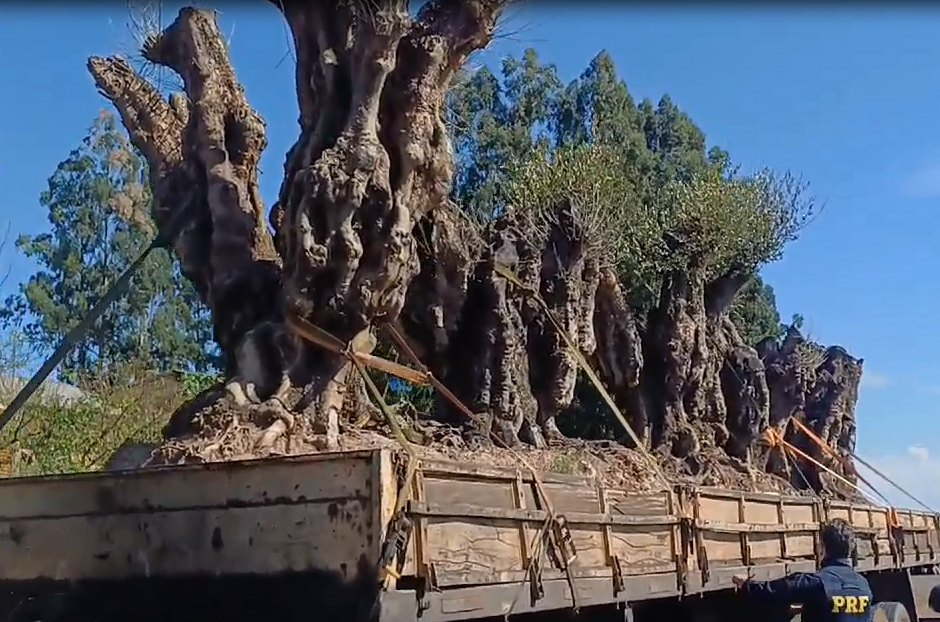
(844, 95)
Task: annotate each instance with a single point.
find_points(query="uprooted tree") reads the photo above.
(367, 233)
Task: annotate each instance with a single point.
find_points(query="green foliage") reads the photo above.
(98, 207)
(754, 312)
(650, 191)
(727, 222)
(606, 200)
(195, 382)
(57, 432)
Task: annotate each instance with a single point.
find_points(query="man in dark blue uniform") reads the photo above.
(834, 594)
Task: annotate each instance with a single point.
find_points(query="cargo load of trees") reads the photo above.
(416, 184)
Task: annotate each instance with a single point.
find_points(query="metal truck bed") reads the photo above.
(469, 544)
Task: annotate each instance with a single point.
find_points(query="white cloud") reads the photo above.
(923, 181)
(873, 380)
(920, 453)
(917, 471)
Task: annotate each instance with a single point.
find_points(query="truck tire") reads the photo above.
(890, 612)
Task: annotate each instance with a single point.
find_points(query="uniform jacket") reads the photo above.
(834, 594)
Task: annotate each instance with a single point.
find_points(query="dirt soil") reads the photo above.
(226, 433)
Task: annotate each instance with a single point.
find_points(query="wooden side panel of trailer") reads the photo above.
(322, 512)
(474, 536)
(762, 535)
(873, 533)
(919, 539)
(478, 526)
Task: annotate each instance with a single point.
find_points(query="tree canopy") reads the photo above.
(98, 206)
(651, 191)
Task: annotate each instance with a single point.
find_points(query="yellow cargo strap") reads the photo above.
(834, 455)
(815, 438)
(507, 274)
(360, 360)
(774, 438)
(77, 333)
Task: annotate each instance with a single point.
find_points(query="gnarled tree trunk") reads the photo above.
(363, 234)
(372, 160)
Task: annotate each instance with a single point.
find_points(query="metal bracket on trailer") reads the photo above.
(536, 588)
(617, 574)
(564, 540)
(396, 543)
(426, 585)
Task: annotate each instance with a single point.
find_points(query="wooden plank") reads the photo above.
(477, 525)
(264, 518)
(741, 529)
(476, 472)
(769, 497)
(472, 551)
(721, 527)
(631, 504)
(463, 510)
(219, 485)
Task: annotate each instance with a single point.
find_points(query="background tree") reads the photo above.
(499, 120)
(98, 207)
(6, 261)
(754, 312)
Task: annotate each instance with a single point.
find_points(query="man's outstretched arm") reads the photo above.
(795, 588)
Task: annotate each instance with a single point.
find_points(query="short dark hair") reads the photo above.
(935, 598)
(838, 538)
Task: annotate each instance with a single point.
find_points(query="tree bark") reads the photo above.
(677, 338)
(363, 234)
(203, 150)
(371, 161)
(568, 282)
(619, 354)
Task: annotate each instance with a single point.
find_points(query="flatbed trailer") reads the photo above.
(303, 538)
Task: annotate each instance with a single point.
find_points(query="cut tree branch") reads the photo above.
(720, 292)
(203, 159)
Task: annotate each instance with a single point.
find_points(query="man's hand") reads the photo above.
(738, 581)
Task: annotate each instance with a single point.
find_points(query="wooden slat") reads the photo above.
(474, 526)
(263, 517)
(463, 510)
(722, 527)
(257, 482)
(471, 524)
